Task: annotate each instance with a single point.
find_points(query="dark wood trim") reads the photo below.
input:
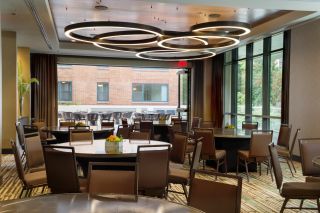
(7, 151)
(285, 90)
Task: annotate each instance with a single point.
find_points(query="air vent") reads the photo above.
(100, 7)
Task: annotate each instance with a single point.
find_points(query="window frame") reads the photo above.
(108, 98)
(143, 84)
(71, 91)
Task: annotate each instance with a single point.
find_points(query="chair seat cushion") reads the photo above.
(243, 154)
(190, 148)
(38, 169)
(220, 154)
(282, 151)
(36, 178)
(312, 179)
(178, 176)
(301, 190)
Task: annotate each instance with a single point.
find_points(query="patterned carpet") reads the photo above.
(259, 195)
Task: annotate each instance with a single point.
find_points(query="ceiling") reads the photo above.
(40, 23)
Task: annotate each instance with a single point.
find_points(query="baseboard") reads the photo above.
(7, 151)
(296, 158)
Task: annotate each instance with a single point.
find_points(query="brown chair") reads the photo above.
(293, 190)
(258, 153)
(139, 136)
(114, 178)
(34, 154)
(178, 149)
(124, 131)
(214, 196)
(124, 122)
(153, 169)
(107, 124)
(309, 149)
(67, 123)
(147, 126)
(196, 121)
(250, 125)
(29, 180)
(61, 170)
(81, 135)
(209, 151)
(286, 153)
(182, 176)
(41, 126)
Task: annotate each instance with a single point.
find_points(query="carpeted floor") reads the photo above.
(259, 195)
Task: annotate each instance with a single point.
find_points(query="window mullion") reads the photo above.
(266, 82)
(234, 85)
(248, 83)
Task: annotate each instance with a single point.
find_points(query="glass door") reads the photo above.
(184, 94)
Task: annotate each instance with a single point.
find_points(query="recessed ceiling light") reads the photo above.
(214, 15)
(100, 7)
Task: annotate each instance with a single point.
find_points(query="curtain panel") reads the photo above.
(285, 78)
(44, 101)
(198, 96)
(217, 90)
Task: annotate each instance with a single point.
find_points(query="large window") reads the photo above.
(150, 92)
(64, 91)
(102, 92)
(252, 83)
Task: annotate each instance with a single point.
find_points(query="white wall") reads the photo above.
(304, 111)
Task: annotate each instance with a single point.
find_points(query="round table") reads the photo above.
(83, 203)
(62, 133)
(97, 152)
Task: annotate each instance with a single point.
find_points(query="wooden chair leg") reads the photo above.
(43, 189)
(189, 158)
(318, 205)
(270, 167)
(301, 204)
(259, 168)
(294, 168)
(289, 167)
(284, 205)
(247, 171)
(185, 191)
(218, 161)
(21, 193)
(204, 164)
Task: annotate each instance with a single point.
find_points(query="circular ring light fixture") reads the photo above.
(104, 38)
(240, 28)
(70, 30)
(146, 54)
(164, 41)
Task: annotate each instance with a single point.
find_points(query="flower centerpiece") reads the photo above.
(114, 144)
(79, 124)
(230, 126)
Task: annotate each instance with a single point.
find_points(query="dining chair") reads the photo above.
(179, 148)
(21, 137)
(182, 176)
(293, 190)
(41, 126)
(249, 125)
(28, 180)
(124, 121)
(153, 169)
(209, 151)
(124, 131)
(92, 118)
(81, 135)
(196, 121)
(309, 149)
(136, 123)
(209, 195)
(113, 177)
(67, 116)
(139, 136)
(147, 126)
(34, 154)
(61, 170)
(286, 153)
(258, 152)
(108, 124)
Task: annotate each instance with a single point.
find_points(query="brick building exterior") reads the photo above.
(120, 84)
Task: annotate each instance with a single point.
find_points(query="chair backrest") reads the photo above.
(250, 125)
(284, 135)
(196, 121)
(67, 123)
(260, 139)
(67, 115)
(40, 126)
(61, 169)
(309, 149)
(106, 116)
(123, 131)
(20, 133)
(139, 136)
(114, 178)
(196, 157)
(107, 124)
(146, 126)
(92, 116)
(153, 166)
(178, 149)
(294, 140)
(34, 152)
(81, 135)
(208, 143)
(17, 159)
(214, 196)
(124, 121)
(276, 165)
